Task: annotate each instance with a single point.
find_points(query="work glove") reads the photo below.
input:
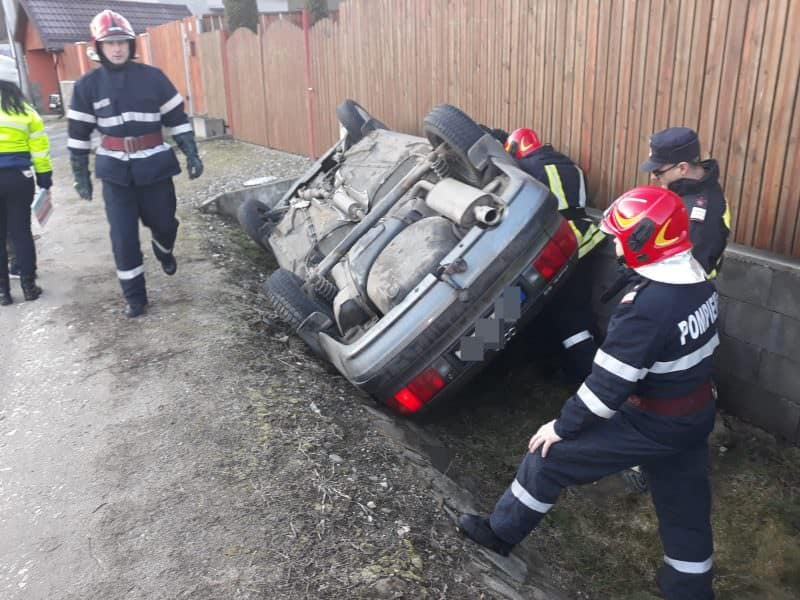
(187, 144)
(82, 175)
(44, 180)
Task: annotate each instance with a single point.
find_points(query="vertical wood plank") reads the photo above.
(590, 78)
(652, 57)
(616, 168)
(549, 69)
(516, 63)
(594, 168)
(713, 72)
(683, 60)
(779, 142)
(635, 137)
(617, 32)
(558, 27)
(540, 89)
(697, 63)
(747, 208)
(576, 134)
(568, 95)
(732, 58)
(508, 31)
(743, 110)
(666, 65)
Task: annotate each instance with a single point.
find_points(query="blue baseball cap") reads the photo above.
(671, 146)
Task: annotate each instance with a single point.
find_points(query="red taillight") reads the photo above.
(557, 251)
(418, 392)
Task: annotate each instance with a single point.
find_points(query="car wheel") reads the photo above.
(252, 217)
(448, 125)
(284, 291)
(356, 120)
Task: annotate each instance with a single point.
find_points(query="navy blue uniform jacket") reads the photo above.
(660, 344)
(709, 217)
(132, 101)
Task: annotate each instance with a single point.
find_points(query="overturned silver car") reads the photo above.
(407, 262)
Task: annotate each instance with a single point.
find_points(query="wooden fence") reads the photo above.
(214, 73)
(174, 49)
(594, 77)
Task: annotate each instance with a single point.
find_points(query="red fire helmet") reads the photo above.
(650, 222)
(110, 26)
(522, 142)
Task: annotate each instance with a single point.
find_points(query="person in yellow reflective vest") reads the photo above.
(568, 316)
(24, 152)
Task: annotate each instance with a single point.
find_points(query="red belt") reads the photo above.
(132, 144)
(694, 402)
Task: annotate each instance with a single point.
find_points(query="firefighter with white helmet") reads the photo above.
(129, 103)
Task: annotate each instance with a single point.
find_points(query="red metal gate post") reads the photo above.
(309, 89)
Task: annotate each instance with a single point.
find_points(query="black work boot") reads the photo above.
(169, 264)
(5, 293)
(30, 290)
(477, 529)
(135, 310)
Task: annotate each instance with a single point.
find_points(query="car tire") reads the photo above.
(356, 120)
(284, 292)
(448, 125)
(252, 217)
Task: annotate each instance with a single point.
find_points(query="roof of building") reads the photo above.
(61, 22)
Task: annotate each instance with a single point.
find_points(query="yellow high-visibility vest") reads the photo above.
(585, 231)
(25, 133)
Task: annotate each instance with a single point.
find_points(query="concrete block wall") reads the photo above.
(757, 366)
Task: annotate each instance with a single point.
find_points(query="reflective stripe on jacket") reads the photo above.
(660, 344)
(128, 102)
(567, 183)
(23, 141)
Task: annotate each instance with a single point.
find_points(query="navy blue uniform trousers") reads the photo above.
(566, 323)
(154, 205)
(679, 484)
(16, 197)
